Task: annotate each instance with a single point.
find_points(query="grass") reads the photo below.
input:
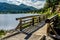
(2, 32)
(48, 13)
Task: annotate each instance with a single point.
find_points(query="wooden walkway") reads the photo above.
(32, 30)
(37, 35)
(25, 32)
(40, 34)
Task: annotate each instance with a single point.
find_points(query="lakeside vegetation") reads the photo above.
(2, 32)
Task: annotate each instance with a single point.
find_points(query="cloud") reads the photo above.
(35, 3)
(3, 0)
(16, 2)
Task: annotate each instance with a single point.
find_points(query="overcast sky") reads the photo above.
(35, 3)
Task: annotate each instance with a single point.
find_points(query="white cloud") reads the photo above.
(16, 2)
(37, 4)
(34, 3)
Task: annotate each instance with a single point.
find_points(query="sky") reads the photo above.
(35, 3)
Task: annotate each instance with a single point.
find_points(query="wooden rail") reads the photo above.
(27, 21)
(51, 21)
(53, 18)
(32, 21)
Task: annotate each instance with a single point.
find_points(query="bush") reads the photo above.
(2, 32)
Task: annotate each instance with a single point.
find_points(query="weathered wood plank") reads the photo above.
(31, 29)
(26, 17)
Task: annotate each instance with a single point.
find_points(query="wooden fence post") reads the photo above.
(49, 27)
(20, 24)
(47, 21)
(45, 16)
(39, 19)
(33, 21)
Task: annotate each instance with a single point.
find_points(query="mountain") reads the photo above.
(5, 7)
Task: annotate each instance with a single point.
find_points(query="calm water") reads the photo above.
(8, 21)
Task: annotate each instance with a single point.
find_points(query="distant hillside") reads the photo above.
(5, 7)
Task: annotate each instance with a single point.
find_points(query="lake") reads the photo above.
(8, 21)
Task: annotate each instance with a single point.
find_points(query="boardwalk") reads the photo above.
(35, 36)
(21, 36)
(33, 32)
(39, 33)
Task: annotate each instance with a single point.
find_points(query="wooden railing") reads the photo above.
(51, 22)
(25, 22)
(29, 21)
(53, 18)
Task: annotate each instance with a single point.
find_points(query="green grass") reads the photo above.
(2, 32)
(48, 13)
